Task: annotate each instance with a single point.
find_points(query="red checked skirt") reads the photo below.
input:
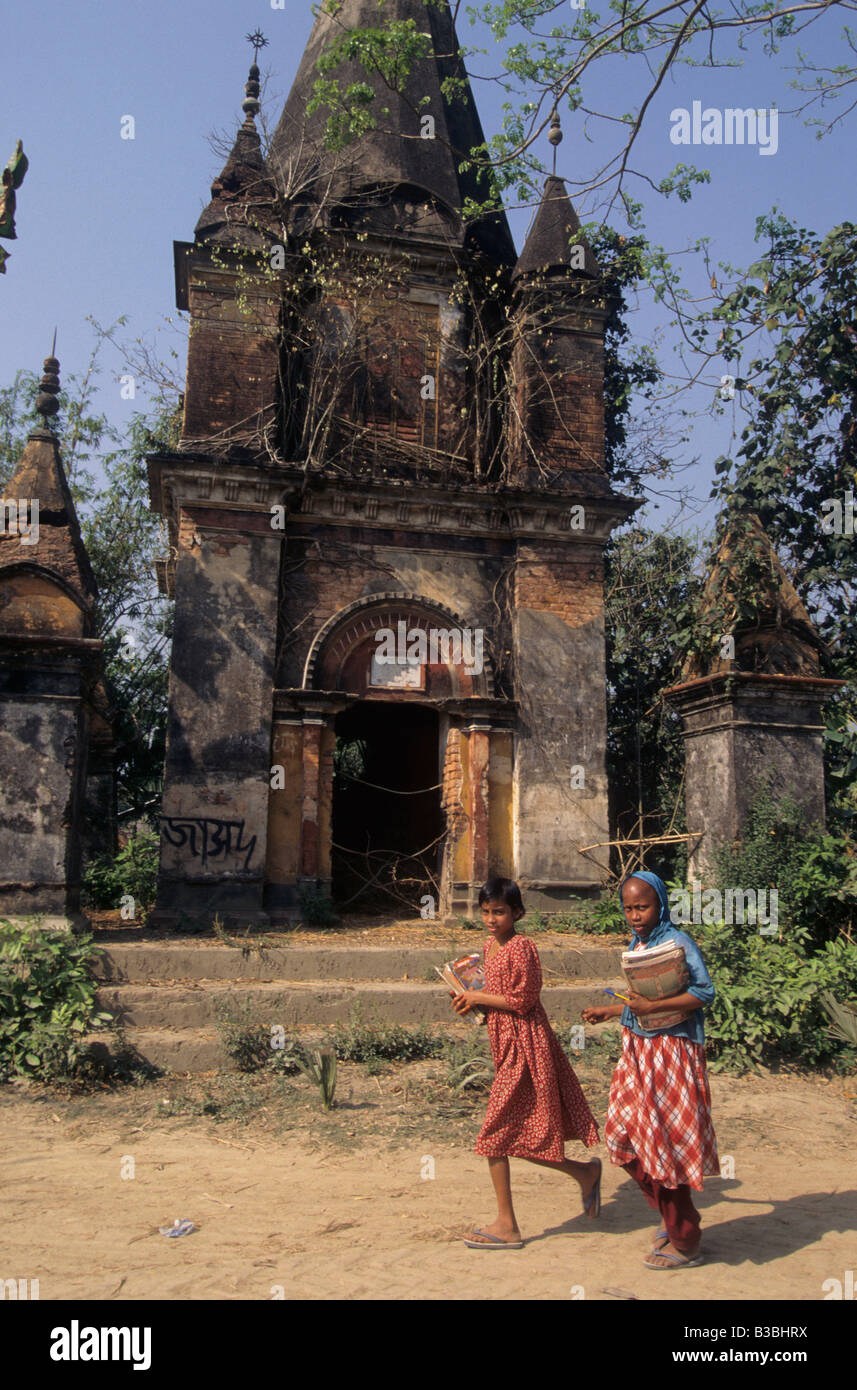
(659, 1110)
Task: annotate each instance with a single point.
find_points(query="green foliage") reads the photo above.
(316, 908)
(843, 1020)
(251, 1044)
(813, 871)
(107, 475)
(389, 52)
(133, 870)
(799, 387)
(772, 991)
(597, 917)
(468, 1063)
(378, 1041)
(769, 1005)
(603, 917)
(653, 592)
(47, 1002)
(320, 1067)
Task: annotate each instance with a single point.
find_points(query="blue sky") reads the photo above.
(97, 215)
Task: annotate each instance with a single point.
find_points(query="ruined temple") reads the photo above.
(752, 706)
(387, 515)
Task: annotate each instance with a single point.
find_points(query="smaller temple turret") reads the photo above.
(224, 278)
(751, 706)
(51, 668)
(557, 424)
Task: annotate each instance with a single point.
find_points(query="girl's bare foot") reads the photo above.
(498, 1229)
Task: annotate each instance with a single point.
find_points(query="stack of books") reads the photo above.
(467, 972)
(657, 972)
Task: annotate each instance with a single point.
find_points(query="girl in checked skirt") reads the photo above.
(536, 1102)
(659, 1112)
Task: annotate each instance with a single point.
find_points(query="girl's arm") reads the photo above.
(525, 984)
(641, 1007)
(596, 1013)
(477, 998)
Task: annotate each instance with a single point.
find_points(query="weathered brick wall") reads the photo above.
(548, 582)
(558, 386)
(232, 354)
(322, 577)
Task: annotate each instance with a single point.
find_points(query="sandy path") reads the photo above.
(305, 1220)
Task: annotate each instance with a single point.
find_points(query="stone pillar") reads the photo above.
(740, 731)
(478, 746)
(217, 773)
(560, 686)
(282, 868)
(43, 747)
(501, 852)
(311, 765)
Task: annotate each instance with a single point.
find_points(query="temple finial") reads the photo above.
(49, 386)
(251, 105)
(555, 134)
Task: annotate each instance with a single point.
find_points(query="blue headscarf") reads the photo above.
(660, 888)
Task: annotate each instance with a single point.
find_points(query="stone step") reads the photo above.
(291, 1003)
(202, 1049)
(178, 1050)
(147, 962)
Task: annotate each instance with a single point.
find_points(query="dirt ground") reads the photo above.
(369, 1200)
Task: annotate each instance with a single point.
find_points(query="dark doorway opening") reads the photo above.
(388, 824)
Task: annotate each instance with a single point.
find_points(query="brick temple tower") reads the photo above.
(57, 795)
(393, 433)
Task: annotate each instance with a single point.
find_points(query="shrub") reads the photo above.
(47, 1002)
(134, 871)
(378, 1041)
(250, 1043)
(814, 873)
(770, 998)
(605, 915)
(316, 908)
(319, 1066)
(468, 1063)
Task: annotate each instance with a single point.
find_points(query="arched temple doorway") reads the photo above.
(387, 822)
(397, 763)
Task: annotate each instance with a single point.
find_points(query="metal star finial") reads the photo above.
(258, 41)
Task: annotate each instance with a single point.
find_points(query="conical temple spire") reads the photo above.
(553, 244)
(243, 191)
(422, 133)
(780, 638)
(44, 503)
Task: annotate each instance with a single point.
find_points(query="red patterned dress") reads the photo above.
(536, 1102)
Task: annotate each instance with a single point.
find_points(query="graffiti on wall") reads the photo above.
(207, 839)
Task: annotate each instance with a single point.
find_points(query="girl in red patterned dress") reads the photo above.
(659, 1112)
(536, 1102)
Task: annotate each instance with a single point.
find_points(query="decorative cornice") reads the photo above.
(387, 505)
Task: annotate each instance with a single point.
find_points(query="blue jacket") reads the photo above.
(699, 984)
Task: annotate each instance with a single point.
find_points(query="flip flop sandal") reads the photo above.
(493, 1243)
(594, 1198)
(677, 1261)
(661, 1239)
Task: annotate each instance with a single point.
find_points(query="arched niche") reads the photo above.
(35, 600)
(444, 655)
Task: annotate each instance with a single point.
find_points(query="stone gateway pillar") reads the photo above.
(752, 711)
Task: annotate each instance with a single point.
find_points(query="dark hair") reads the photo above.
(502, 890)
